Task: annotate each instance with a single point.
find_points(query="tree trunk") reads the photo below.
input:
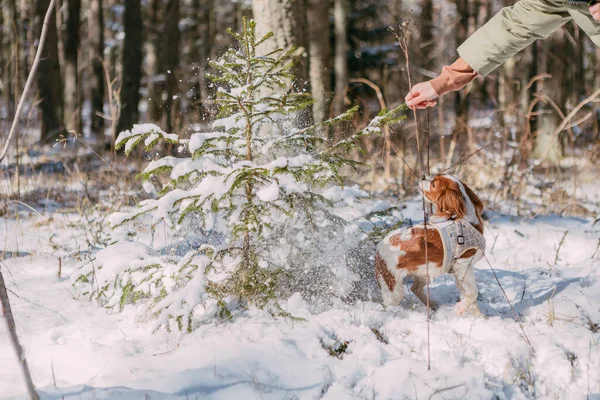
(13, 86)
(171, 47)
(507, 95)
(428, 43)
(49, 79)
(71, 46)
(201, 37)
(547, 145)
(319, 54)
(5, 71)
(155, 60)
(461, 34)
(131, 62)
(340, 21)
(287, 20)
(96, 56)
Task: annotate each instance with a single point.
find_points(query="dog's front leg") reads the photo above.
(467, 286)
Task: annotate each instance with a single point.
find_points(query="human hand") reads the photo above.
(422, 95)
(595, 11)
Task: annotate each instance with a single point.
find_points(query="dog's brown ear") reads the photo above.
(477, 203)
(452, 202)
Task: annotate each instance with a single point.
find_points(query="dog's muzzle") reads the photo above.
(425, 184)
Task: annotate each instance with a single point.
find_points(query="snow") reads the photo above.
(138, 130)
(269, 193)
(98, 353)
(198, 139)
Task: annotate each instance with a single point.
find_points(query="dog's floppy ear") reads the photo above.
(451, 202)
(477, 203)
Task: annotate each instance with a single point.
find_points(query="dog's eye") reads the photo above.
(433, 184)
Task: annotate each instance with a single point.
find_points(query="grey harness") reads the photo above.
(458, 236)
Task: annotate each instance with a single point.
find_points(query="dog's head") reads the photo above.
(452, 197)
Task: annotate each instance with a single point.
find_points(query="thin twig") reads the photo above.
(560, 244)
(465, 157)
(29, 81)
(574, 111)
(438, 391)
(510, 304)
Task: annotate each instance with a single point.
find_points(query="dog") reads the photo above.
(451, 242)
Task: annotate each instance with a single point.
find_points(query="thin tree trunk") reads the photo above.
(340, 21)
(49, 78)
(96, 56)
(172, 39)
(131, 61)
(12, 332)
(71, 47)
(320, 54)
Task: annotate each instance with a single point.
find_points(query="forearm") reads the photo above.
(453, 77)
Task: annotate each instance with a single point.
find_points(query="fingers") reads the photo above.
(422, 95)
(426, 104)
(595, 11)
(420, 102)
(415, 101)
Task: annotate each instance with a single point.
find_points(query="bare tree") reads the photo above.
(201, 38)
(172, 39)
(287, 20)
(463, 10)
(340, 19)
(49, 78)
(131, 62)
(320, 55)
(71, 47)
(96, 56)
(552, 96)
(155, 68)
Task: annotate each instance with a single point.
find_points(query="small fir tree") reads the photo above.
(258, 179)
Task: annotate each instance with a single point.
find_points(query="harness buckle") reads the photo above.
(460, 239)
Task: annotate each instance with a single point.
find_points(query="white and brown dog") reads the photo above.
(452, 242)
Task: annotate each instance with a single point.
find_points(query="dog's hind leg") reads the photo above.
(467, 286)
(391, 285)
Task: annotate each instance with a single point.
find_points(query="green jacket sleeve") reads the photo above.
(510, 31)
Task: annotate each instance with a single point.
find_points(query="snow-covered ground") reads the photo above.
(77, 350)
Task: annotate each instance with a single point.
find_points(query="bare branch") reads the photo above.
(12, 332)
(29, 82)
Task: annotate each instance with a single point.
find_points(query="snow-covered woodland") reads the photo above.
(230, 255)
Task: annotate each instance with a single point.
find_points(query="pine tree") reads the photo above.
(255, 179)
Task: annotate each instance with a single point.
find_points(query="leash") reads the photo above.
(403, 38)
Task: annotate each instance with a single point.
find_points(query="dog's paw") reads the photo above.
(463, 307)
(434, 305)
